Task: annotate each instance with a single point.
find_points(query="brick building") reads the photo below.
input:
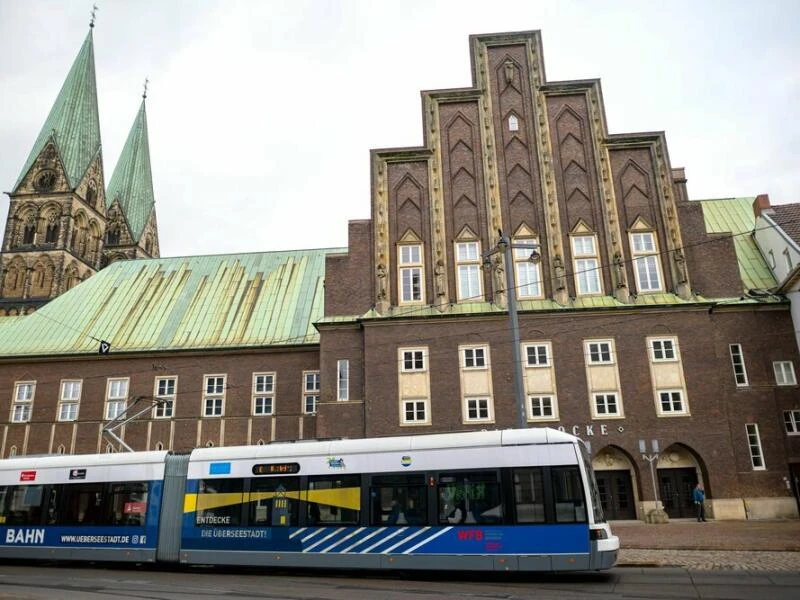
(642, 315)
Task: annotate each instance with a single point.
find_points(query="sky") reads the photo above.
(262, 113)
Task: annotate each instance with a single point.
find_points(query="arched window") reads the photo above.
(113, 235)
(29, 232)
(51, 234)
(209, 444)
(61, 449)
(91, 194)
(159, 446)
(12, 451)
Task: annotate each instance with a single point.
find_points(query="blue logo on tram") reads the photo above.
(221, 468)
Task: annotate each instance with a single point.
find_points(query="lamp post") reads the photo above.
(505, 246)
(657, 515)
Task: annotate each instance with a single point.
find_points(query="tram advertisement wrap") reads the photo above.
(111, 537)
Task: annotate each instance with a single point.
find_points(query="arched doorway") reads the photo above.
(678, 473)
(612, 470)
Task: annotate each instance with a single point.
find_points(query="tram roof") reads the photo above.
(507, 437)
(71, 461)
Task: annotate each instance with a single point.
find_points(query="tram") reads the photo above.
(511, 500)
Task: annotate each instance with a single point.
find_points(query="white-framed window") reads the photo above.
(787, 260)
(310, 392)
(528, 272)
(663, 350)
(22, 406)
(116, 397)
(69, 399)
(606, 404)
(541, 407)
(166, 389)
(791, 419)
(586, 265)
(412, 359)
(513, 123)
(411, 272)
(415, 412)
(784, 372)
(263, 393)
(537, 355)
(771, 258)
(671, 402)
(645, 262)
(343, 380)
(737, 360)
(475, 357)
(754, 443)
(214, 396)
(468, 269)
(478, 409)
(599, 352)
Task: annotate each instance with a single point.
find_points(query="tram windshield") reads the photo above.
(594, 491)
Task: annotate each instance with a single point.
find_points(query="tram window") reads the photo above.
(333, 500)
(274, 501)
(470, 497)
(594, 491)
(568, 495)
(82, 504)
(128, 503)
(22, 505)
(3, 495)
(220, 502)
(529, 495)
(398, 500)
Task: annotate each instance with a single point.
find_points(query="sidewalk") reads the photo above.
(746, 545)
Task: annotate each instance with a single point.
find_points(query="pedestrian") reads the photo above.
(699, 501)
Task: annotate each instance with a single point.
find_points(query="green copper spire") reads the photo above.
(132, 181)
(73, 122)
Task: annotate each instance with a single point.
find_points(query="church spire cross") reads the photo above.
(144, 93)
(94, 15)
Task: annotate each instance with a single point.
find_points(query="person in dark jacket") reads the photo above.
(699, 496)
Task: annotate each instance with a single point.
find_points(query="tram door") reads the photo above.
(675, 492)
(616, 494)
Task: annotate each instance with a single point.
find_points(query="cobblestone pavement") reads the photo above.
(739, 545)
(707, 560)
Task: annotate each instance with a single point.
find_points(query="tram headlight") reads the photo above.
(598, 534)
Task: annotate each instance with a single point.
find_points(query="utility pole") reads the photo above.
(505, 246)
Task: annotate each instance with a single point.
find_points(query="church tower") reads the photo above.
(57, 208)
(132, 231)
(62, 225)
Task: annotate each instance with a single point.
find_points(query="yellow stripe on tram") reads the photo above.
(341, 497)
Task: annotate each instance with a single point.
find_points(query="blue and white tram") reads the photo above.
(500, 500)
(91, 507)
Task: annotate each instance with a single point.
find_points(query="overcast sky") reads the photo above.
(261, 114)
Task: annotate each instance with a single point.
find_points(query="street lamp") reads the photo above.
(504, 246)
(657, 515)
(651, 458)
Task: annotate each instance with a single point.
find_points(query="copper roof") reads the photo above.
(173, 304)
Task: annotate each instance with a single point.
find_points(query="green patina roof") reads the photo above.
(132, 181)
(735, 216)
(73, 122)
(190, 303)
